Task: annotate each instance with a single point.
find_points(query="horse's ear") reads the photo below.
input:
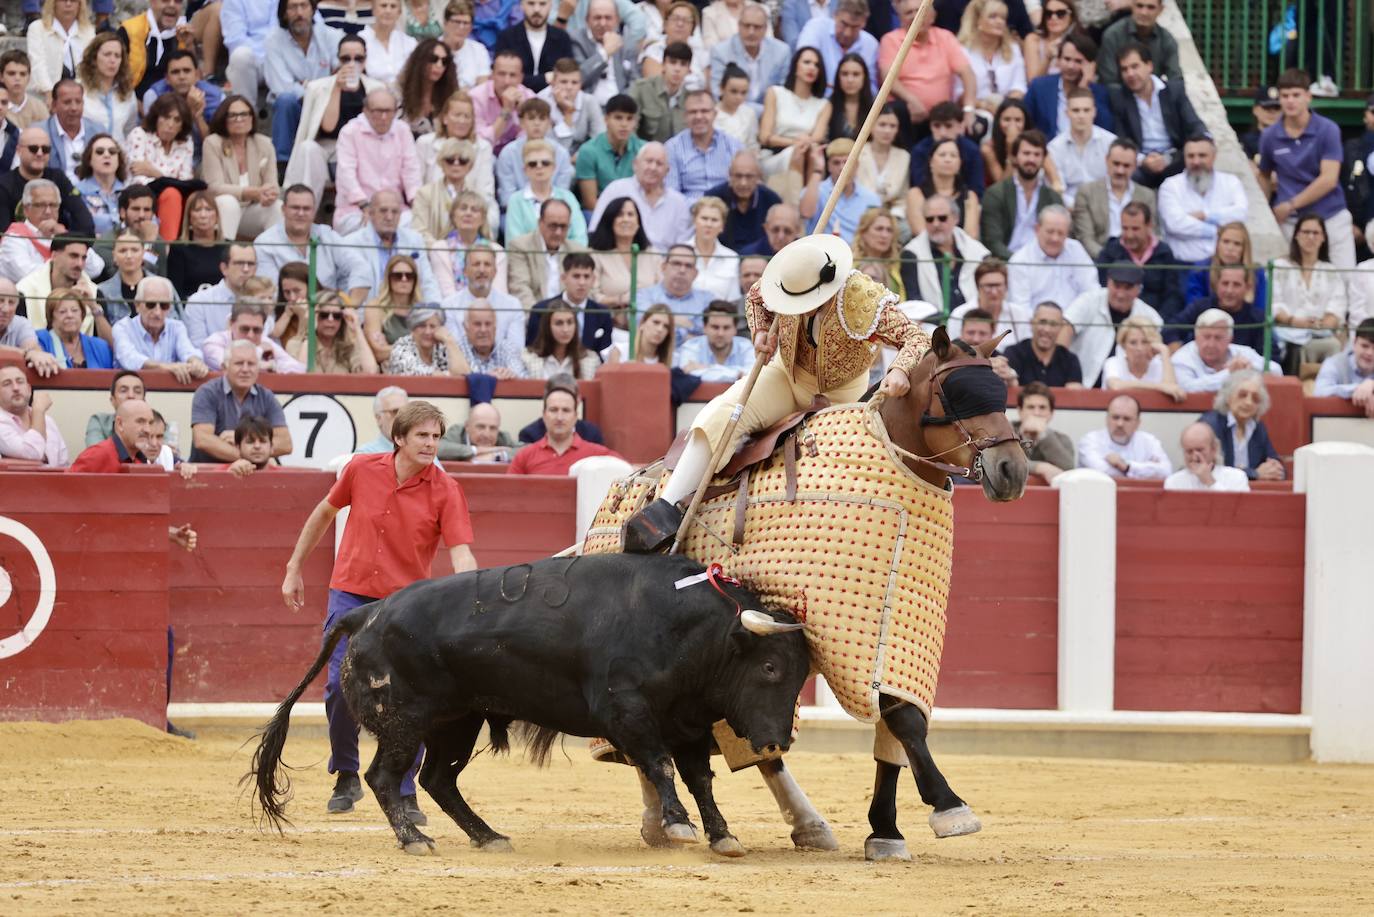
(989, 347)
(939, 343)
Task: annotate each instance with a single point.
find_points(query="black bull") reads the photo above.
(592, 646)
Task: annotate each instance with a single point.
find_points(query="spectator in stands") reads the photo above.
(678, 288)
(610, 155)
(1154, 115)
(162, 156)
(101, 175)
(203, 98)
(1140, 28)
(1208, 360)
(245, 25)
(65, 268)
(376, 242)
(330, 103)
(434, 213)
(208, 310)
(136, 218)
(653, 339)
(9, 132)
(680, 24)
(699, 156)
(1142, 360)
(660, 97)
(1194, 205)
(484, 350)
(885, 168)
(428, 350)
(1051, 266)
(763, 58)
(1237, 418)
(1201, 450)
(611, 244)
(1080, 153)
(25, 108)
(220, 403)
(1047, 95)
(194, 266)
(1300, 162)
(720, 354)
(68, 127)
(537, 43)
(385, 405)
(1266, 111)
(55, 42)
(1309, 297)
(1041, 358)
(129, 441)
(944, 176)
(511, 177)
(289, 318)
(26, 430)
(471, 59)
(1097, 205)
(339, 343)
(109, 101)
(1091, 319)
(1008, 122)
(27, 243)
(841, 33)
(479, 272)
(1350, 374)
(927, 75)
(877, 254)
(750, 272)
(793, 126)
(522, 215)
(976, 327)
(468, 231)
(388, 46)
(577, 117)
(426, 81)
(100, 425)
(253, 440)
(1011, 208)
(534, 430)
(747, 200)
(535, 257)
(576, 279)
(288, 240)
(151, 339)
(945, 257)
(1051, 452)
(1011, 321)
(376, 153)
(17, 336)
(994, 53)
(609, 62)
(246, 321)
(479, 440)
(238, 165)
(297, 53)
(1138, 245)
(850, 99)
(561, 445)
(1229, 290)
(781, 226)
(664, 212)
(1122, 449)
(854, 200)
(384, 316)
(1057, 19)
(718, 266)
(66, 309)
(557, 347)
(118, 291)
(31, 162)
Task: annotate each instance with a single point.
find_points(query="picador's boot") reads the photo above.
(652, 529)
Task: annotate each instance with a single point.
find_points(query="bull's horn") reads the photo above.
(756, 622)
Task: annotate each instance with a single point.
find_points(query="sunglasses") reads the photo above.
(439, 59)
(461, 160)
(538, 163)
(352, 58)
(329, 316)
(105, 151)
(1057, 14)
(164, 306)
(939, 218)
(402, 275)
(37, 148)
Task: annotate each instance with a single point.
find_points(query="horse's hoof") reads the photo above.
(955, 822)
(886, 849)
(495, 845)
(815, 836)
(727, 846)
(680, 833)
(420, 848)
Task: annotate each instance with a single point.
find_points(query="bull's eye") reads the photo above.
(769, 669)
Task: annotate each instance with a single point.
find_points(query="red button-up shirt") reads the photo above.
(393, 530)
(540, 457)
(106, 457)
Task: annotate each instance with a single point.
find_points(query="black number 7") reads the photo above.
(319, 417)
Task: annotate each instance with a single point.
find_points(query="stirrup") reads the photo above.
(653, 528)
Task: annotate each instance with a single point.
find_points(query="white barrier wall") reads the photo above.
(1087, 591)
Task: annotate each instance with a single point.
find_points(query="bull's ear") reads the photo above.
(939, 343)
(989, 347)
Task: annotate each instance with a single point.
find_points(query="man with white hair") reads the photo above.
(609, 62)
(384, 407)
(219, 404)
(485, 352)
(27, 243)
(375, 153)
(663, 212)
(1205, 362)
(152, 339)
(1121, 449)
(1052, 267)
(367, 250)
(943, 238)
(1194, 204)
(1201, 470)
(1091, 320)
(26, 430)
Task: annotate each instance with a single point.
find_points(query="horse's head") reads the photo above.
(963, 422)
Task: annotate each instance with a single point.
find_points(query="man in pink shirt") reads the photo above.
(927, 75)
(26, 430)
(375, 153)
(495, 102)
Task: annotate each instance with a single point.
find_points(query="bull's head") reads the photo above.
(768, 667)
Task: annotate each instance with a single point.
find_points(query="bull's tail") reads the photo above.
(272, 786)
(538, 741)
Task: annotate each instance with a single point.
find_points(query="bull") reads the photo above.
(611, 645)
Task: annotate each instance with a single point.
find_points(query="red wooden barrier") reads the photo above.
(103, 652)
(1001, 647)
(1209, 602)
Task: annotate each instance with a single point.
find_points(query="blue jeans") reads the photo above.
(343, 730)
(286, 117)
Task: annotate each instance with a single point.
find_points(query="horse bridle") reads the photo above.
(974, 472)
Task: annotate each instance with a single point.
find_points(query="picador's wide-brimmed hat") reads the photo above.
(806, 273)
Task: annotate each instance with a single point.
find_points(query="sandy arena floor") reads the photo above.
(116, 818)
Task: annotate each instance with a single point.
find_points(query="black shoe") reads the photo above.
(652, 528)
(412, 807)
(348, 789)
(180, 733)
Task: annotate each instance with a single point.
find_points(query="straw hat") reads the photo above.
(806, 273)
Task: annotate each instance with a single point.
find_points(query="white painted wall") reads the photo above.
(1087, 591)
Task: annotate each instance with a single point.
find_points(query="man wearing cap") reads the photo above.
(1091, 320)
(853, 201)
(1205, 362)
(822, 304)
(1266, 111)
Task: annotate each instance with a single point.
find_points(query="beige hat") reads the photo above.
(806, 273)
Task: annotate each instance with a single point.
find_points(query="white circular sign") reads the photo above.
(321, 430)
(47, 587)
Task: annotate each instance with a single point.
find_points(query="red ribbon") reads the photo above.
(715, 575)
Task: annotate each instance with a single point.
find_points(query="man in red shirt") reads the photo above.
(132, 437)
(402, 505)
(561, 446)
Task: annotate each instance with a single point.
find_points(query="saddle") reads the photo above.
(756, 447)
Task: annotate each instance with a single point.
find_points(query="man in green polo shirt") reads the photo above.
(610, 154)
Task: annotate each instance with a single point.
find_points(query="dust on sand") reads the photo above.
(116, 817)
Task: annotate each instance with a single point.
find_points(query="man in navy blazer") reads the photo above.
(556, 42)
(577, 278)
(1046, 94)
(1140, 88)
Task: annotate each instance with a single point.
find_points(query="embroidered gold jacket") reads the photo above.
(864, 319)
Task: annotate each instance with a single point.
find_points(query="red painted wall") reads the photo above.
(1209, 593)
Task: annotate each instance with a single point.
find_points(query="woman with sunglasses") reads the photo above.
(161, 156)
(1057, 19)
(102, 173)
(384, 317)
(522, 212)
(104, 74)
(457, 119)
(434, 201)
(427, 80)
(339, 345)
(468, 222)
(240, 166)
(558, 347)
(195, 264)
(67, 309)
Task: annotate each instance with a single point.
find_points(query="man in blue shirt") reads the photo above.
(676, 291)
(303, 49)
(844, 34)
(1351, 374)
(385, 404)
(854, 199)
(245, 25)
(699, 156)
(719, 355)
(151, 339)
(219, 404)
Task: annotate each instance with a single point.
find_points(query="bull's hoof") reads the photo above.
(680, 833)
(815, 836)
(495, 845)
(955, 822)
(727, 846)
(886, 850)
(420, 848)
(651, 830)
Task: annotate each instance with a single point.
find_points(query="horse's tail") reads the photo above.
(272, 787)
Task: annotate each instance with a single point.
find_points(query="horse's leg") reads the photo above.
(448, 749)
(951, 817)
(886, 842)
(694, 764)
(809, 829)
